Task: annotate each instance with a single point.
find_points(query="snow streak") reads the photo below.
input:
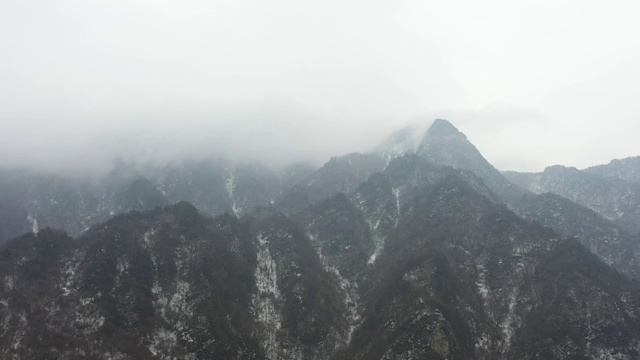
(265, 300)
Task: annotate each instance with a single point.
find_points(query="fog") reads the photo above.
(531, 84)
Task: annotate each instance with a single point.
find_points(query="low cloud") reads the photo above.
(531, 83)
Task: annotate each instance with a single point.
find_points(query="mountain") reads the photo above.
(409, 254)
(219, 186)
(165, 283)
(72, 204)
(610, 242)
(456, 280)
(615, 199)
(297, 304)
(625, 169)
(341, 174)
(446, 145)
(383, 197)
(213, 186)
(459, 277)
(169, 283)
(32, 200)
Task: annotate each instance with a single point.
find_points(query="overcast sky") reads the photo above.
(531, 83)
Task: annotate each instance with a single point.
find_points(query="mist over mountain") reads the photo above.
(265, 180)
(84, 83)
(269, 131)
(419, 248)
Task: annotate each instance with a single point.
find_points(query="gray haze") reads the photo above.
(530, 83)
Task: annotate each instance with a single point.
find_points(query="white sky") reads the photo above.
(531, 83)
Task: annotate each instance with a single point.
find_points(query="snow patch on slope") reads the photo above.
(376, 252)
(396, 194)
(69, 273)
(34, 224)
(350, 291)
(266, 299)
(482, 282)
(162, 342)
(373, 222)
(230, 187)
(508, 326)
(87, 316)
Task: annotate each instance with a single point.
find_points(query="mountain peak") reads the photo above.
(442, 138)
(442, 127)
(444, 144)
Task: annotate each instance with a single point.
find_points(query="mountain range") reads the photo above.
(420, 249)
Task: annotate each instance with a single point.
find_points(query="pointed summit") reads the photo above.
(442, 127)
(444, 144)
